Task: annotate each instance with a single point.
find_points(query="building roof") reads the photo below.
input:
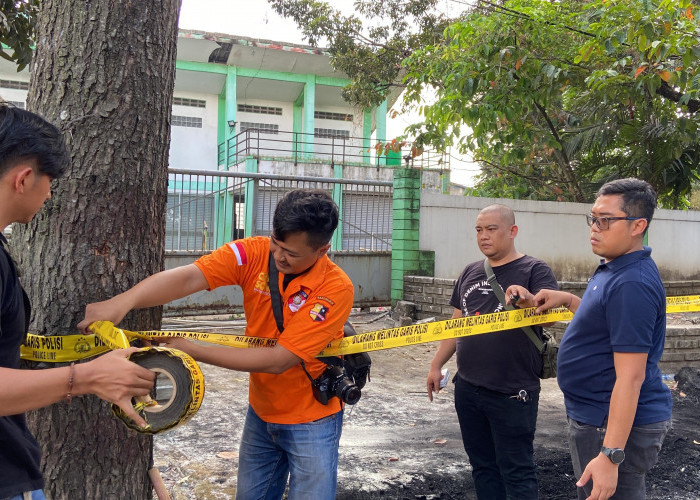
(263, 56)
(269, 55)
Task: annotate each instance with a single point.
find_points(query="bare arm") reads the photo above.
(549, 299)
(521, 297)
(155, 290)
(444, 353)
(275, 359)
(112, 377)
(630, 373)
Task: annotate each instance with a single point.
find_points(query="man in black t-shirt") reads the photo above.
(32, 154)
(497, 385)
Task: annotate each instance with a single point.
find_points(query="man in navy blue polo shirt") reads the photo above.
(618, 409)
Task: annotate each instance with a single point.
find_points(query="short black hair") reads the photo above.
(27, 136)
(638, 197)
(312, 211)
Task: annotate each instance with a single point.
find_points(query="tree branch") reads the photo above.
(567, 169)
(672, 95)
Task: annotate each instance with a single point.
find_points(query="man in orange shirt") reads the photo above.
(287, 431)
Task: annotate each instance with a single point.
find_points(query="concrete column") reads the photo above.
(251, 197)
(297, 126)
(337, 240)
(381, 129)
(231, 101)
(405, 256)
(309, 109)
(367, 136)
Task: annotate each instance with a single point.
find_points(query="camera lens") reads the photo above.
(349, 393)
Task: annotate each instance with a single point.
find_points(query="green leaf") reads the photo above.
(642, 43)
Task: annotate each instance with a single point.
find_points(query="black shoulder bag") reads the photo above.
(548, 349)
(344, 377)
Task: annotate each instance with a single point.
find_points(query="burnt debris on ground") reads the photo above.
(395, 443)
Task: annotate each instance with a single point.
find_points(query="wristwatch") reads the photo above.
(616, 455)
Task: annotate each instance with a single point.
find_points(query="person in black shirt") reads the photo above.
(32, 154)
(497, 385)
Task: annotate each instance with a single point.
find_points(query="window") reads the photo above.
(193, 103)
(331, 133)
(186, 121)
(261, 110)
(263, 128)
(14, 84)
(325, 115)
(17, 104)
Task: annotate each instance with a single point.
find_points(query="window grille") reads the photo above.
(326, 115)
(14, 84)
(331, 133)
(193, 103)
(263, 128)
(186, 121)
(261, 110)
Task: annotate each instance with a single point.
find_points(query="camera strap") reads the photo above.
(501, 296)
(276, 300)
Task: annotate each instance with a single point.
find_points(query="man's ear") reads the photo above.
(638, 227)
(324, 249)
(20, 175)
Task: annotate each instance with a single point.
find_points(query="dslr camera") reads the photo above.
(344, 377)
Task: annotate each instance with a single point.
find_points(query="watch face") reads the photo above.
(617, 455)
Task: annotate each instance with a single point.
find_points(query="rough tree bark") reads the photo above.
(103, 72)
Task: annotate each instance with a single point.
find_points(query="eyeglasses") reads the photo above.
(603, 223)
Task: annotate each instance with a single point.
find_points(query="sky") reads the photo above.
(257, 19)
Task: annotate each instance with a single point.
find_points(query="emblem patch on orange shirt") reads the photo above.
(318, 312)
(297, 300)
(321, 297)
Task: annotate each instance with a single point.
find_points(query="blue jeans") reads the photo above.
(306, 453)
(498, 433)
(35, 495)
(641, 453)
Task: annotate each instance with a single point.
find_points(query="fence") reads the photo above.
(328, 147)
(207, 208)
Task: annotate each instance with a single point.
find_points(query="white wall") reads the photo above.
(554, 232)
(195, 148)
(674, 237)
(13, 95)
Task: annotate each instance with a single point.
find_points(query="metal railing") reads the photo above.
(208, 208)
(299, 147)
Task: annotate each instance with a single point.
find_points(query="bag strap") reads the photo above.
(501, 296)
(276, 298)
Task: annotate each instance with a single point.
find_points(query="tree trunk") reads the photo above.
(103, 72)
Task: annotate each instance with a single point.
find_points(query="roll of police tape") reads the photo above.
(177, 394)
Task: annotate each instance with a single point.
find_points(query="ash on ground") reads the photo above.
(395, 443)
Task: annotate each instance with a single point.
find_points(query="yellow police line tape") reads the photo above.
(181, 395)
(106, 336)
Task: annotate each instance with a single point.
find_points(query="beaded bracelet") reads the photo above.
(71, 374)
